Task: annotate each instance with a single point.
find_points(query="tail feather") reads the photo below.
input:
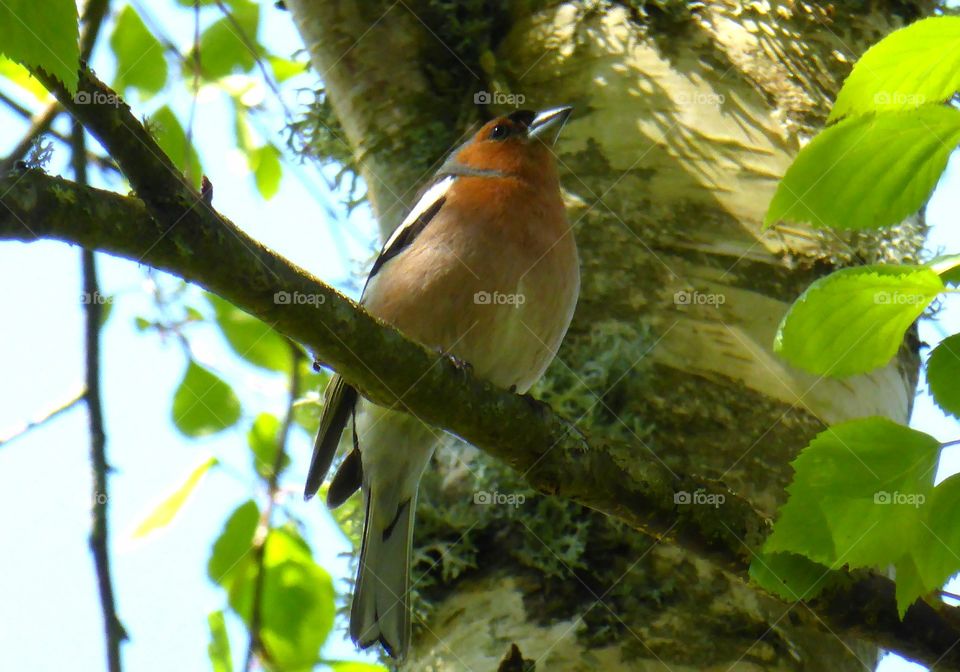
(346, 481)
(339, 402)
(380, 610)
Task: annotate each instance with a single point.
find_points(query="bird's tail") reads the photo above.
(381, 610)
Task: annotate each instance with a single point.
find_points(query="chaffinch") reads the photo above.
(485, 268)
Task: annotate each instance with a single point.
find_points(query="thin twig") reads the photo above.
(195, 63)
(102, 162)
(39, 125)
(46, 417)
(94, 12)
(99, 545)
(268, 80)
(255, 647)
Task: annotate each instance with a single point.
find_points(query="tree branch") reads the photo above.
(99, 538)
(174, 230)
(61, 407)
(114, 633)
(255, 648)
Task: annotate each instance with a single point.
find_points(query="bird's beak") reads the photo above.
(547, 124)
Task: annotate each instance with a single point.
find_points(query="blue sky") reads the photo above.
(47, 585)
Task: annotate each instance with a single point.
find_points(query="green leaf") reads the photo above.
(106, 310)
(284, 69)
(165, 512)
(265, 164)
(21, 77)
(909, 583)
(943, 374)
(856, 495)
(947, 266)
(241, 127)
(140, 60)
(853, 321)
(173, 141)
(203, 404)
(938, 550)
(791, 577)
(355, 666)
(264, 439)
(935, 554)
(868, 171)
(232, 547)
(298, 601)
(219, 647)
(250, 338)
(223, 49)
(913, 66)
(142, 323)
(43, 35)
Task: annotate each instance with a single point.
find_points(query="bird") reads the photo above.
(483, 268)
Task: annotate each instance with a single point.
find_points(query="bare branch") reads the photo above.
(114, 632)
(59, 408)
(256, 648)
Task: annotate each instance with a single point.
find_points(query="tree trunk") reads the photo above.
(686, 115)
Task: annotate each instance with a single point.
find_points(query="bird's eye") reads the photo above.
(499, 132)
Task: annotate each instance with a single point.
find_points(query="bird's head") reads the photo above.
(516, 144)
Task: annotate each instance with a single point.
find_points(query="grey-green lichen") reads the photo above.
(63, 195)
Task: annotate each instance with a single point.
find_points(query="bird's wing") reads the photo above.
(340, 397)
(339, 401)
(416, 221)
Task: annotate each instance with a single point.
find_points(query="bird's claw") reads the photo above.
(541, 408)
(459, 364)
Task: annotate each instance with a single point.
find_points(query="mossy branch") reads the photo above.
(174, 229)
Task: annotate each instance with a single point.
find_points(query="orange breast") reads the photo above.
(493, 279)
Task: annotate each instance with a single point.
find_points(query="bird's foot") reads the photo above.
(460, 364)
(541, 408)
